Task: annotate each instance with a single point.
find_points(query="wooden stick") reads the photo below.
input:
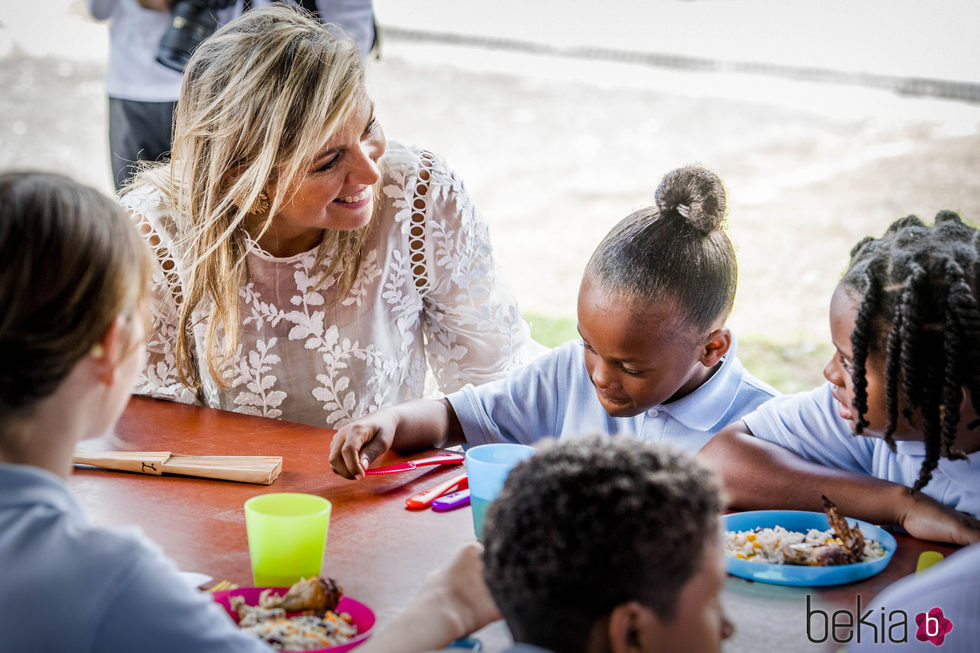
(246, 469)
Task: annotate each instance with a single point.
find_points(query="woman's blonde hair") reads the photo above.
(259, 98)
(70, 263)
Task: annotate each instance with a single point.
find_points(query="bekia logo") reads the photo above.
(878, 627)
(933, 626)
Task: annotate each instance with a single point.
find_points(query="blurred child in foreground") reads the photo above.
(594, 544)
(74, 276)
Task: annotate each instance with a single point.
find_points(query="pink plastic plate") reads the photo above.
(362, 615)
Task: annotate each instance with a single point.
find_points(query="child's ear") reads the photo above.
(717, 345)
(631, 628)
(106, 351)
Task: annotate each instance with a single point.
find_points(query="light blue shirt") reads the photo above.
(68, 586)
(953, 586)
(808, 424)
(553, 397)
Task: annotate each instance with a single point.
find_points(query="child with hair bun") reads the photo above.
(905, 320)
(656, 361)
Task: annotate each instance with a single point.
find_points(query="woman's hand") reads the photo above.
(357, 444)
(928, 519)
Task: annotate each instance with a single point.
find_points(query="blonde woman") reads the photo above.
(308, 269)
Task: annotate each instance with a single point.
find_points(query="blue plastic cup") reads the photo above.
(487, 466)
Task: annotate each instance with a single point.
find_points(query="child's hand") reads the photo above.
(357, 444)
(458, 589)
(927, 519)
(454, 601)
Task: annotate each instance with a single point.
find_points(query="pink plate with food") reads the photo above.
(300, 631)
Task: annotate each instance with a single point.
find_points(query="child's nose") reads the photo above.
(601, 375)
(832, 372)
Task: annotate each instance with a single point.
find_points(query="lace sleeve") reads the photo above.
(159, 377)
(473, 326)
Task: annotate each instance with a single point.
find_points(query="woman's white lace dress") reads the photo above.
(427, 295)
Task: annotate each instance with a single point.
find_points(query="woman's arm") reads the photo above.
(474, 328)
(762, 475)
(159, 378)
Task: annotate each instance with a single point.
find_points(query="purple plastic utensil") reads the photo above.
(451, 501)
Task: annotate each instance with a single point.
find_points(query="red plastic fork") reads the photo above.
(409, 465)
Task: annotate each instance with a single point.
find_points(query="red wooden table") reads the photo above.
(376, 549)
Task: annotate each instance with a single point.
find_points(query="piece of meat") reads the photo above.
(852, 538)
(315, 594)
(823, 555)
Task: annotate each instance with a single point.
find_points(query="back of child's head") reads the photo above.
(674, 251)
(587, 524)
(70, 263)
(918, 311)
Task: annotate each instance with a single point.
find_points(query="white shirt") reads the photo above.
(553, 397)
(305, 360)
(808, 424)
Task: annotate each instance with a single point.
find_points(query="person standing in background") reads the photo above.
(143, 92)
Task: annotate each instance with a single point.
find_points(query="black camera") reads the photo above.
(191, 21)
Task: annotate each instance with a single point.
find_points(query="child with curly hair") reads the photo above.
(599, 544)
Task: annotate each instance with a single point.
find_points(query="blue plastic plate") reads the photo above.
(796, 520)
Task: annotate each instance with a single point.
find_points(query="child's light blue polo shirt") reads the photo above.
(808, 424)
(553, 397)
(68, 586)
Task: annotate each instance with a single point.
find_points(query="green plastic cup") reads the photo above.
(287, 532)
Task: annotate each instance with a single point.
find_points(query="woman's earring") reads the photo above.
(261, 204)
(97, 351)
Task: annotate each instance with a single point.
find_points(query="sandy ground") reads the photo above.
(556, 150)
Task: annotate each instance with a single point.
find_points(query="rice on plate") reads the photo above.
(777, 545)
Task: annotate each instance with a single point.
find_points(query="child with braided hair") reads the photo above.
(905, 321)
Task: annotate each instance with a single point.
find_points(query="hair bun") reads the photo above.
(695, 193)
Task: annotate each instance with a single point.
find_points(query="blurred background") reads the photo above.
(827, 120)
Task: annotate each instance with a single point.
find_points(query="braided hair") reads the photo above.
(919, 309)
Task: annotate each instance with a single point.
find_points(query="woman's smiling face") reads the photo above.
(337, 191)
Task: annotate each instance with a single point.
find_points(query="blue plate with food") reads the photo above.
(792, 547)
